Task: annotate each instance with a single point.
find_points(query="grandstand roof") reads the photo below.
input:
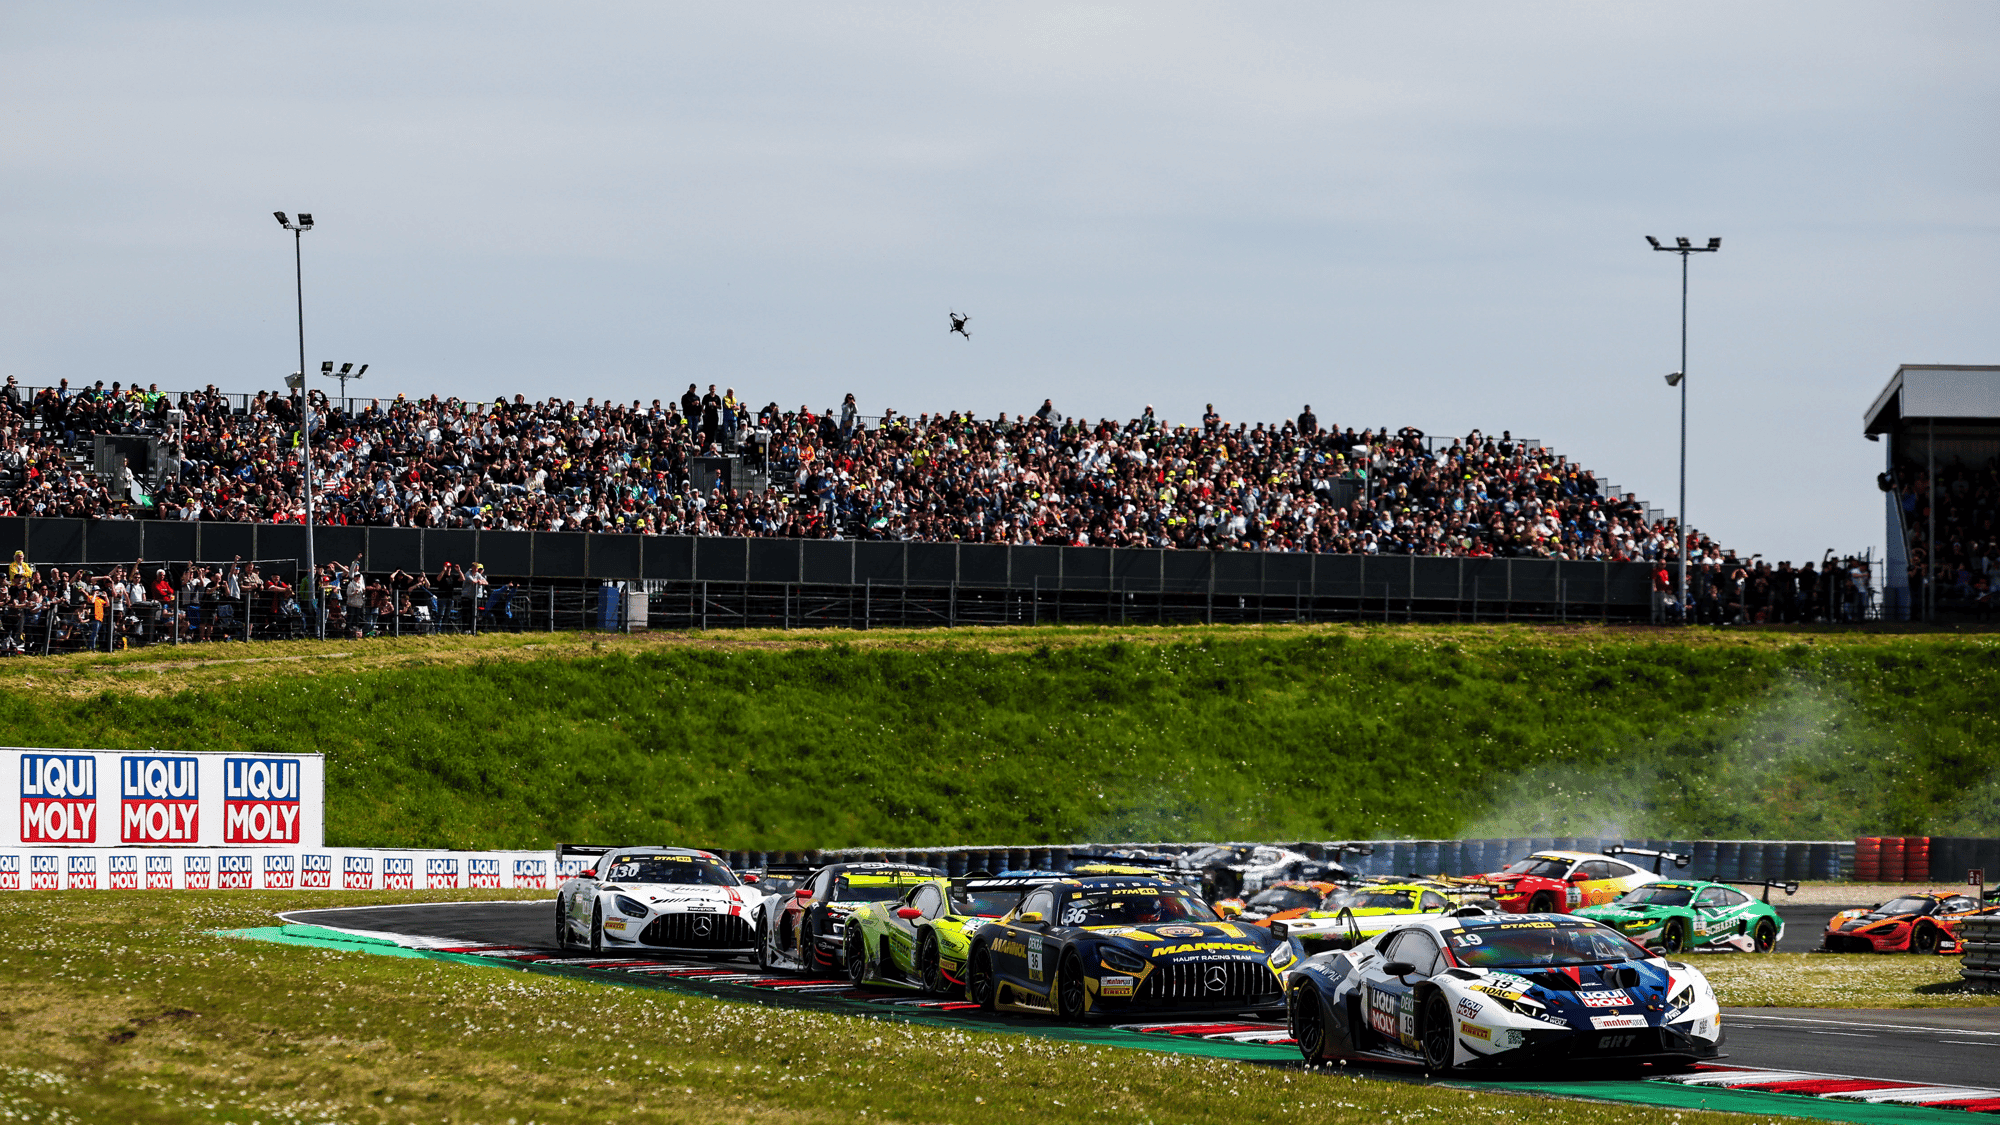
(1921, 390)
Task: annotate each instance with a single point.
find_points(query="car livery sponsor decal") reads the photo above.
(399, 873)
(44, 873)
(124, 872)
(357, 873)
(195, 872)
(1609, 998)
(159, 873)
(232, 872)
(614, 924)
(260, 800)
(1035, 970)
(10, 872)
(83, 873)
(1604, 1023)
(441, 872)
(1205, 947)
(159, 799)
(531, 872)
(1385, 1010)
(58, 799)
(315, 870)
(481, 872)
(1115, 986)
(1473, 1031)
(1179, 931)
(280, 872)
(1469, 1008)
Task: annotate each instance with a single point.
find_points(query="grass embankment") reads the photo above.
(772, 740)
(1842, 980)
(137, 1014)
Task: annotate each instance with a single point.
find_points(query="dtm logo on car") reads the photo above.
(58, 799)
(159, 802)
(10, 873)
(280, 872)
(159, 873)
(440, 873)
(260, 800)
(315, 870)
(232, 872)
(43, 874)
(531, 872)
(399, 873)
(195, 872)
(357, 873)
(124, 871)
(83, 873)
(482, 872)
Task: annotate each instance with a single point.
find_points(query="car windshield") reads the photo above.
(874, 888)
(1658, 896)
(1275, 899)
(1908, 904)
(985, 903)
(669, 869)
(1381, 900)
(1528, 944)
(1536, 865)
(1136, 906)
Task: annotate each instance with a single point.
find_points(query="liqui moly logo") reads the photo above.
(10, 873)
(531, 872)
(315, 870)
(124, 872)
(482, 872)
(58, 799)
(159, 873)
(440, 873)
(44, 873)
(399, 873)
(260, 800)
(195, 872)
(159, 800)
(83, 873)
(280, 872)
(357, 873)
(568, 868)
(232, 872)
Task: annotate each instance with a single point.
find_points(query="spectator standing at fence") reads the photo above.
(711, 417)
(475, 590)
(19, 572)
(449, 584)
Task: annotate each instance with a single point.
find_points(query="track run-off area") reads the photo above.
(1887, 1065)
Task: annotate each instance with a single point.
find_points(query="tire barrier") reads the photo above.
(1982, 948)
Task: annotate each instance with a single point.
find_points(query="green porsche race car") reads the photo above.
(1680, 915)
(920, 940)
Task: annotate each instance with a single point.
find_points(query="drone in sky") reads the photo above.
(958, 325)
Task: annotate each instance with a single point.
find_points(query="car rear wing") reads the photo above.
(1659, 858)
(1163, 862)
(1790, 888)
(563, 850)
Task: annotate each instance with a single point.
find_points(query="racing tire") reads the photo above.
(1674, 938)
(980, 987)
(597, 929)
(929, 967)
(855, 951)
(1924, 938)
(1544, 902)
(1765, 938)
(1305, 1016)
(1071, 996)
(1435, 1033)
(763, 956)
(562, 925)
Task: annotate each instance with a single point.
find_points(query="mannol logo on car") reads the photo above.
(58, 799)
(159, 800)
(260, 800)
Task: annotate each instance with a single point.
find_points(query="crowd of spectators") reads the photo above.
(1298, 485)
(1757, 592)
(1962, 568)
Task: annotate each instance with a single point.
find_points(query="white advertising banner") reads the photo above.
(111, 798)
(230, 869)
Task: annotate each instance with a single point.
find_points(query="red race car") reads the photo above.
(1555, 882)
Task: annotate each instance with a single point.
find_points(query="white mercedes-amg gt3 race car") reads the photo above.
(645, 899)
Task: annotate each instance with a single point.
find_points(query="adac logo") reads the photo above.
(260, 800)
(159, 800)
(58, 799)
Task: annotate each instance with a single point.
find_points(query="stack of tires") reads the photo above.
(1982, 948)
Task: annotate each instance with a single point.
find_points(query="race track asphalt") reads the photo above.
(1938, 1045)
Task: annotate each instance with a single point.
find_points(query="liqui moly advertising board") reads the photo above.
(111, 798)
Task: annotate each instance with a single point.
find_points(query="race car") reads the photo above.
(1677, 915)
(1359, 913)
(653, 898)
(1926, 922)
(1559, 882)
(1080, 947)
(1229, 871)
(805, 929)
(1280, 901)
(1500, 991)
(921, 938)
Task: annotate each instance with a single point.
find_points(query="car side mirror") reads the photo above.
(1399, 968)
(803, 892)
(753, 878)
(1578, 877)
(1031, 918)
(907, 913)
(588, 873)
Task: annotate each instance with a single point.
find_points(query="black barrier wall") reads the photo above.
(1392, 580)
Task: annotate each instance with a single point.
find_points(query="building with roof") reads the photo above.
(1941, 423)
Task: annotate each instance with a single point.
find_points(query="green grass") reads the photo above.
(783, 741)
(1843, 980)
(122, 1008)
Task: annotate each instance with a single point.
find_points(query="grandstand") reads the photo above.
(1942, 486)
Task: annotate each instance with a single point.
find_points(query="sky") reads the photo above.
(1425, 215)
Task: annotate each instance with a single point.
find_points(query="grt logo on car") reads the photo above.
(159, 800)
(58, 799)
(260, 801)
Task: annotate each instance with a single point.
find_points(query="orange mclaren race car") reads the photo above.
(1924, 922)
(1280, 901)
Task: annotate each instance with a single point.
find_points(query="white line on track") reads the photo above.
(1742, 1018)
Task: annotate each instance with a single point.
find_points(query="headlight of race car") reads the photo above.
(1680, 1001)
(1526, 1006)
(630, 907)
(1116, 958)
(1283, 957)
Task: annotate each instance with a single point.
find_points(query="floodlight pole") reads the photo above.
(311, 583)
(1684, 247)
